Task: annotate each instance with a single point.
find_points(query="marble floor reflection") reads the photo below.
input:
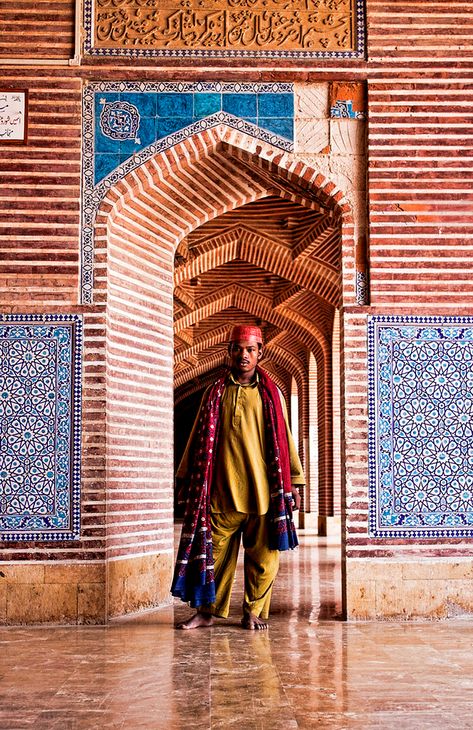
(311, 670)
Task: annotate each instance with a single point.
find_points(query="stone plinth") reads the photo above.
(427, 588)
(75, 593)
(139, 583)
(65, 593)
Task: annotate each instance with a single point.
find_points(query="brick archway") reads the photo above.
(147, 218)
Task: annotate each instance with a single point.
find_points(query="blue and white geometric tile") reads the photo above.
(343, 109)
(420, 426)
(40, 420)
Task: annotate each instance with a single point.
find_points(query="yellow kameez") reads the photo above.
(240, 498)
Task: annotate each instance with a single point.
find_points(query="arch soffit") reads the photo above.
(259, 306)
(212, 362)
(245, 244)
(292, 364)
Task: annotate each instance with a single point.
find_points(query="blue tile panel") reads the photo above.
(143, 119)
(40, 417)
(160, 114)
(420, 426)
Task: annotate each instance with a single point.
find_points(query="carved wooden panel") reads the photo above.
(225, 27)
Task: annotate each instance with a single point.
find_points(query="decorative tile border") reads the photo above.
(273, 104)
(362, 288)
(420, 426)
(40, 426)
(285, 16)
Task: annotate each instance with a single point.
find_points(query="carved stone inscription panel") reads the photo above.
(226, 28)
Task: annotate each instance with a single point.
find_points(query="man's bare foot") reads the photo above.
(197, 621)
(253, 623)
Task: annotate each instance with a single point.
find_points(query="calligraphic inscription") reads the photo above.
(421, 426)
(40, 388)
(242, 26)
(120, 120)
(13, 111)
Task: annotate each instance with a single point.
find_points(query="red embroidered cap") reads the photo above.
(248, 333)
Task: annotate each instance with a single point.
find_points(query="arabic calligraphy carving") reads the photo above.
(243, 25)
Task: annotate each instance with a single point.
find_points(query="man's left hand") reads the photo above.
(296, 498)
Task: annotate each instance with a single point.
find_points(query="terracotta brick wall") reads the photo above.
(37, 29)
(410, 34)
(139, 385)
(420, 148)
(420, 173)
(40, 193)
(39, 263)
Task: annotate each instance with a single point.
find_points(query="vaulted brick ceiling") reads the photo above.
(269, 262)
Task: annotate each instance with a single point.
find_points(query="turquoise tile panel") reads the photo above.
(282, 127)
(169, 125)
(175, 105)
(145, 103)
(240, 105)
(206, 104)
(126, 122)
(104, 164)
(146, 134)
(275, 105)
(104, 144)
(159, 114)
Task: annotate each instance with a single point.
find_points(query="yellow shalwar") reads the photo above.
(239, 498)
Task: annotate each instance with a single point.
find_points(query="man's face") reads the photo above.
(245, 355)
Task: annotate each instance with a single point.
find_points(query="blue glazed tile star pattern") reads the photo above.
(421, 426)
(40, 388)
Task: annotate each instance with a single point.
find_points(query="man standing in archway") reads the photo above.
(240, 474)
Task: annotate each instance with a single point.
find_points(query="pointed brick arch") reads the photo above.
(139, 225)
(297, 370)
(206, 364)
(206, 175)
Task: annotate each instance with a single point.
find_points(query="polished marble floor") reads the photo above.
(310, 670)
